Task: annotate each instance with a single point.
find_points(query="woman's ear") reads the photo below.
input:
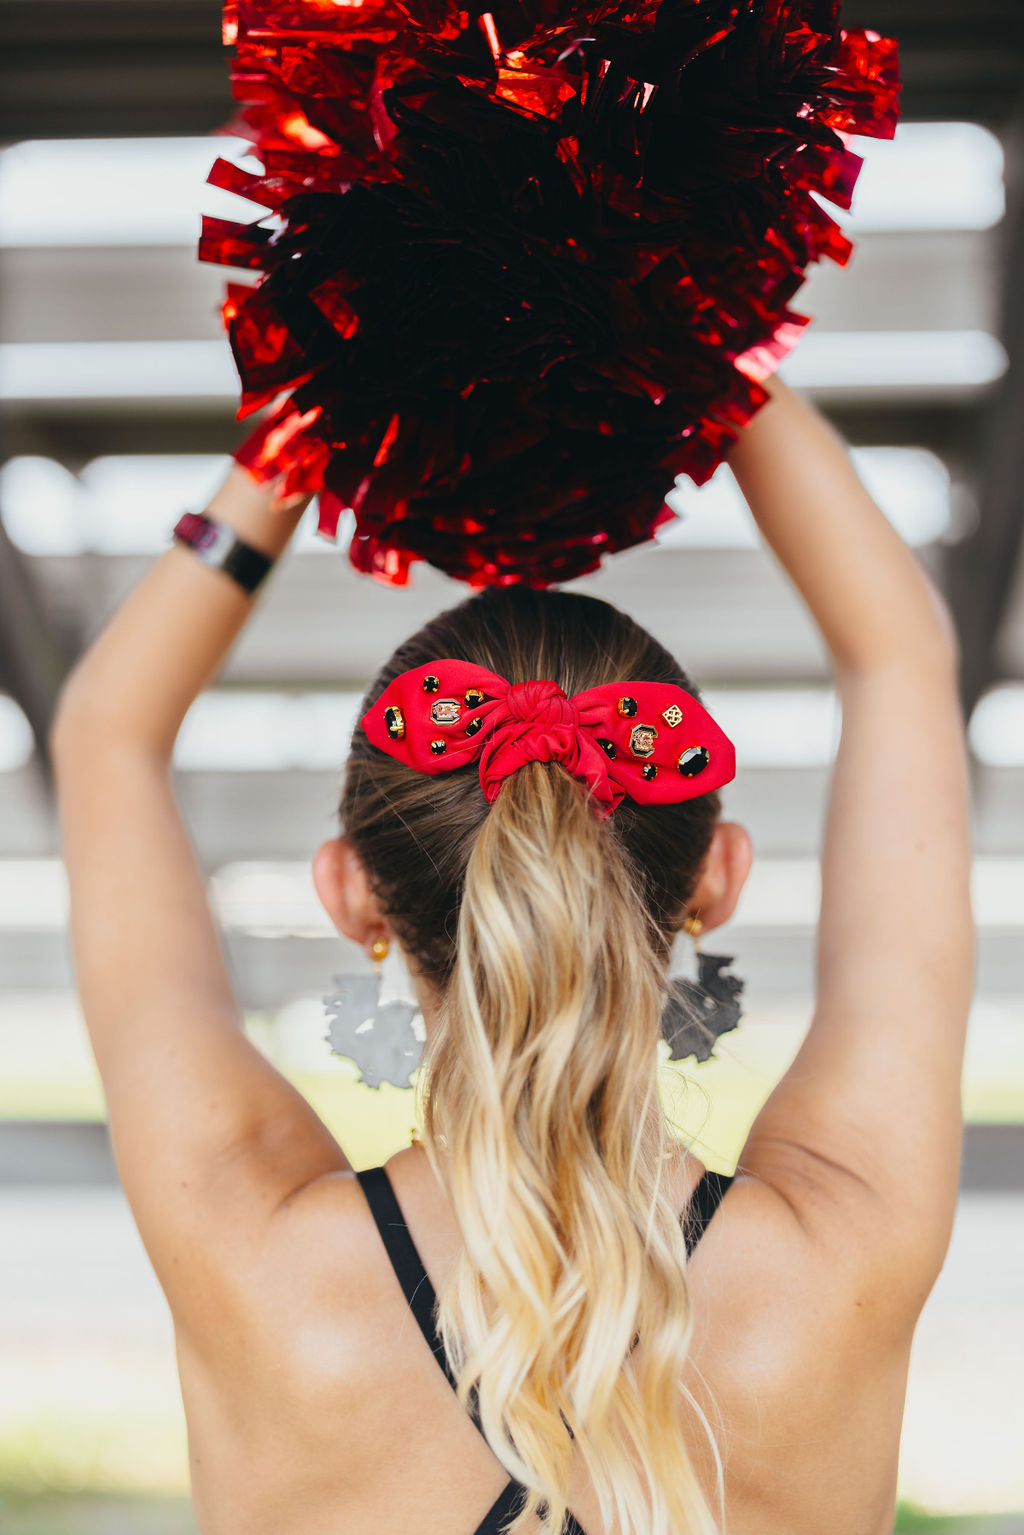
(343, 887)
(723, 874)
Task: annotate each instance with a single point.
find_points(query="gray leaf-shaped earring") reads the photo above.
(373, 1024)
(699, 1012)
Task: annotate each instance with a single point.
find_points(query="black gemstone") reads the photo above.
(394, 723)
(627, 707)
(473, 727)
(694, 760)
(439, 748)
(474, 698)
(608, 747)
(431, 684)
(648, 771)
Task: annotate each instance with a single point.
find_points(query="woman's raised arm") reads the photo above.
(870, 597)
(209, 1137)
(870, 1108)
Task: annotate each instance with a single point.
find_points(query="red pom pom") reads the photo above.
(529, 265)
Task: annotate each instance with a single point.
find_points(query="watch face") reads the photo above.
(218, 546)
(214, 541)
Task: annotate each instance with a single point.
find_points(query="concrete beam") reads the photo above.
(982, 568)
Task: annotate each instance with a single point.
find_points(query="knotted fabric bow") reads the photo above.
(651, 741)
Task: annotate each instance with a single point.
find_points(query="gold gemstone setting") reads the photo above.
(394, 723)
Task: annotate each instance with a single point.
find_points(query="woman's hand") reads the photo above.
(254, 511)
(870, 596)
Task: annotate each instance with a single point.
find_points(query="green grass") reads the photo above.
(70, 1514)
(915, 1521)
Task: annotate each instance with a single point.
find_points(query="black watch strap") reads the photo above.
(219, 546)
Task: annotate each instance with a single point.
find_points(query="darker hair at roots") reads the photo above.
(414, 832)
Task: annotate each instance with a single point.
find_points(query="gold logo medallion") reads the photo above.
(642, 739)
(446, 711)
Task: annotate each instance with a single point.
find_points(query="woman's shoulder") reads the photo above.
(781, 1298)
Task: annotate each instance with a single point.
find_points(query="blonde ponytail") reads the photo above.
(542, 1120)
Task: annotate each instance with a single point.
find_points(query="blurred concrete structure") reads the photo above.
(937, 281)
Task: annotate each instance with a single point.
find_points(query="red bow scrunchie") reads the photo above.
(651, 741)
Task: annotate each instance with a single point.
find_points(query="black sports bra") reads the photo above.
(419, 1292)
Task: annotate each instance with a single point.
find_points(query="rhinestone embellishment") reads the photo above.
(642, 739)
(439, 748)
(608, 747)
(626, 707)
(474, 698)
(394, 723)
(649, 771)
(672, 716)
(431, 684)
(694, 760)
(446, 711)
(473, 727)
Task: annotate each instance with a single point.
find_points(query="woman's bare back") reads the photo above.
(325, 1412)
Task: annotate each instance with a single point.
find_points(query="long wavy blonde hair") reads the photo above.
(545, 933)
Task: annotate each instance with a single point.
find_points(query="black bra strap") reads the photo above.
(706, 1198)
(405, 1260)
(507, 1504)
(504, 1508)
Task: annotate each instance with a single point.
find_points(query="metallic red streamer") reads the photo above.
(527, 264)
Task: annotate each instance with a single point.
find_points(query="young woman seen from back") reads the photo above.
(755, 1387)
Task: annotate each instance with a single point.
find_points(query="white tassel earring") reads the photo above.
(375, 1021)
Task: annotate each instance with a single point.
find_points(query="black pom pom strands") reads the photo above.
(529, 266)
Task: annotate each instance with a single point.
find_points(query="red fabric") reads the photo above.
(536, 722)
